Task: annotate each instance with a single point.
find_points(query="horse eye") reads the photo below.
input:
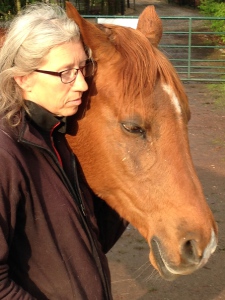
(133, 128)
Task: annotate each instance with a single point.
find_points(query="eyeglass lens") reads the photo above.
(71, 74)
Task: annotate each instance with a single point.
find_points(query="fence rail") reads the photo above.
(194, 49)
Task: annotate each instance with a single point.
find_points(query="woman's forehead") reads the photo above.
(66, 54)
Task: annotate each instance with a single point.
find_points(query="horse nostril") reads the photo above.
(189, 252)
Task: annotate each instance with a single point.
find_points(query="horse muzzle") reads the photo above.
(191, 257)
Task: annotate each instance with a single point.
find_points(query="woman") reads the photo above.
(50, 243)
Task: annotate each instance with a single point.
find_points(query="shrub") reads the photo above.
(213, 8)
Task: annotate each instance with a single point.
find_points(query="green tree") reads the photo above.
(12, 7)
(214, 8)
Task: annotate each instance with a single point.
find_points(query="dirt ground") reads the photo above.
(133, 278)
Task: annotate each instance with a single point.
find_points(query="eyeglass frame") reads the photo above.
(59, 74)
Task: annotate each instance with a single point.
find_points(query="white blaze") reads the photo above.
(173, 97)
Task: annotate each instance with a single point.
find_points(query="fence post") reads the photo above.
(189, 46)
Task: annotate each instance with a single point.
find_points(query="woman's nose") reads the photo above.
(80, 83)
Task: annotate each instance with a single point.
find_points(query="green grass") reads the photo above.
(219, 142)
(218, 91)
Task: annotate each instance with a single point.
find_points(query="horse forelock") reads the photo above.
(136, 68)
(140, 66)
(170, 78)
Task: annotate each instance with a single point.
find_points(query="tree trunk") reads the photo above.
(17, 5)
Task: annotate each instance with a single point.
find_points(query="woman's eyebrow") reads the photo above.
(70, 66)
(83, 62)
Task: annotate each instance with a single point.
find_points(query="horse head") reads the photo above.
(132, 144)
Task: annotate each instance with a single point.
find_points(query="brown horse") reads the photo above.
(2, 35)
(132, 144)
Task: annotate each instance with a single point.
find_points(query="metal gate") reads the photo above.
(194, 49)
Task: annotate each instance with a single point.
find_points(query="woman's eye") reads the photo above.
(133, 128)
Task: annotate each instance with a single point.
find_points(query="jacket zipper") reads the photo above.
(92, 240)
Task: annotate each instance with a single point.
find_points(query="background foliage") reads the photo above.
(111, 7)
(9, 8)
(214, 8)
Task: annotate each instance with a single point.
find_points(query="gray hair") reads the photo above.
(30, 37)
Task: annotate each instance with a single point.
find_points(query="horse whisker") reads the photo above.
(122, 280)
(142, 269)
(154, 276)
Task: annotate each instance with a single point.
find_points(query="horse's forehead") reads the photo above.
(173, 98)
(160, 104)
(162, 97)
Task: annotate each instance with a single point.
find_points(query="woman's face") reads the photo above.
(47, 90)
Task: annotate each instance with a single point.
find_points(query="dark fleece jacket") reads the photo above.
(50, 245)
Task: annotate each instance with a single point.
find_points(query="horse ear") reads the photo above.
(150, 25)
(92, 36)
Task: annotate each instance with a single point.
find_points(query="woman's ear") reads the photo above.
(24, 82)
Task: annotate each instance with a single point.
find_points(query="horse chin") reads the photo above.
(166, 269)
(159, 263)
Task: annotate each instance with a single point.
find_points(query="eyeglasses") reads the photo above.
(70, 75)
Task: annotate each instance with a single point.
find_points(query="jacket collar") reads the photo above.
(45, 119)
(38, 125)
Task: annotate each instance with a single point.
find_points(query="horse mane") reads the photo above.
(2, 35)
(143, 64)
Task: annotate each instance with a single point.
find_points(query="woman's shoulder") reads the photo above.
(8, 133)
